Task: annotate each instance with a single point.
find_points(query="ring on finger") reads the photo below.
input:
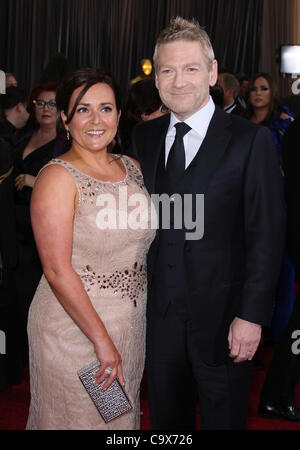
(108, 370)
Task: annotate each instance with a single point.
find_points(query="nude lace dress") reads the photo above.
(110, 259)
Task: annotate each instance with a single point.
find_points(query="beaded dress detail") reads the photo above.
(110, 258)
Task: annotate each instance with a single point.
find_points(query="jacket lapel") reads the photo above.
(207, 159)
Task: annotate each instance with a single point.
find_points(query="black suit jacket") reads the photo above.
(233, 270)
(238, 110)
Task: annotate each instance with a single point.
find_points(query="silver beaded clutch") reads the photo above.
(111, 403)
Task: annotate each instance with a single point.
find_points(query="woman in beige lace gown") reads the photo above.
(91, 301)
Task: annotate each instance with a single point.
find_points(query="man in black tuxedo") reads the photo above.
(278, 392)
(209, 292)
(13, 113)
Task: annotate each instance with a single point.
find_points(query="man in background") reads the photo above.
(13, 113)
(231, 88)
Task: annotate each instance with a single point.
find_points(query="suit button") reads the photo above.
(170, 244)
(171, 266)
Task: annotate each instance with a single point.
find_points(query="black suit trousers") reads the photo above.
(176, 376)
(284, 370)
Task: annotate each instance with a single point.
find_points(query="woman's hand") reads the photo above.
(24, 179)
(110, 363)
(284, 116)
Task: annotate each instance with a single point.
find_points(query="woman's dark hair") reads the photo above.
(36, 91)
(274, 101)
(142, 98)
(84, 77)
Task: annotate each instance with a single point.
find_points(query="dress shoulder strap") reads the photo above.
(134, 172)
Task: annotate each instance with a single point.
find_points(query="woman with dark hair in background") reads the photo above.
(143, 103)
(263, 107)
(36, 148)
(32, 152)
(91, 301)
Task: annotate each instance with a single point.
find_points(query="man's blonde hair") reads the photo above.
(184, 30)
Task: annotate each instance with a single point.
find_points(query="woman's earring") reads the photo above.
(68, 135)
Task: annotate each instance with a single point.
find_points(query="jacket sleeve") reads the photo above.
(264, 221)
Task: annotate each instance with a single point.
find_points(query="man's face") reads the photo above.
(183, 77)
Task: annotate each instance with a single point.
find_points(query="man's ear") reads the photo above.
(231, 91)
(213, 75)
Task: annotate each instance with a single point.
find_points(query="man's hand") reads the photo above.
(243, 339)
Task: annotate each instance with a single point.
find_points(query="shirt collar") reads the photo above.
(230, 107)
(199, 121)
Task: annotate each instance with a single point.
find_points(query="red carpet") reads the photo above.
(14, 403)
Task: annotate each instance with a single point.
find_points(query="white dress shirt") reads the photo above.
(199, 123)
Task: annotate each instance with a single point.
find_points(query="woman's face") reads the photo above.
(95, 121)
(260, 94)
(46, 114)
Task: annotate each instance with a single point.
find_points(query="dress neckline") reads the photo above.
(36, 149)
(93, 178)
